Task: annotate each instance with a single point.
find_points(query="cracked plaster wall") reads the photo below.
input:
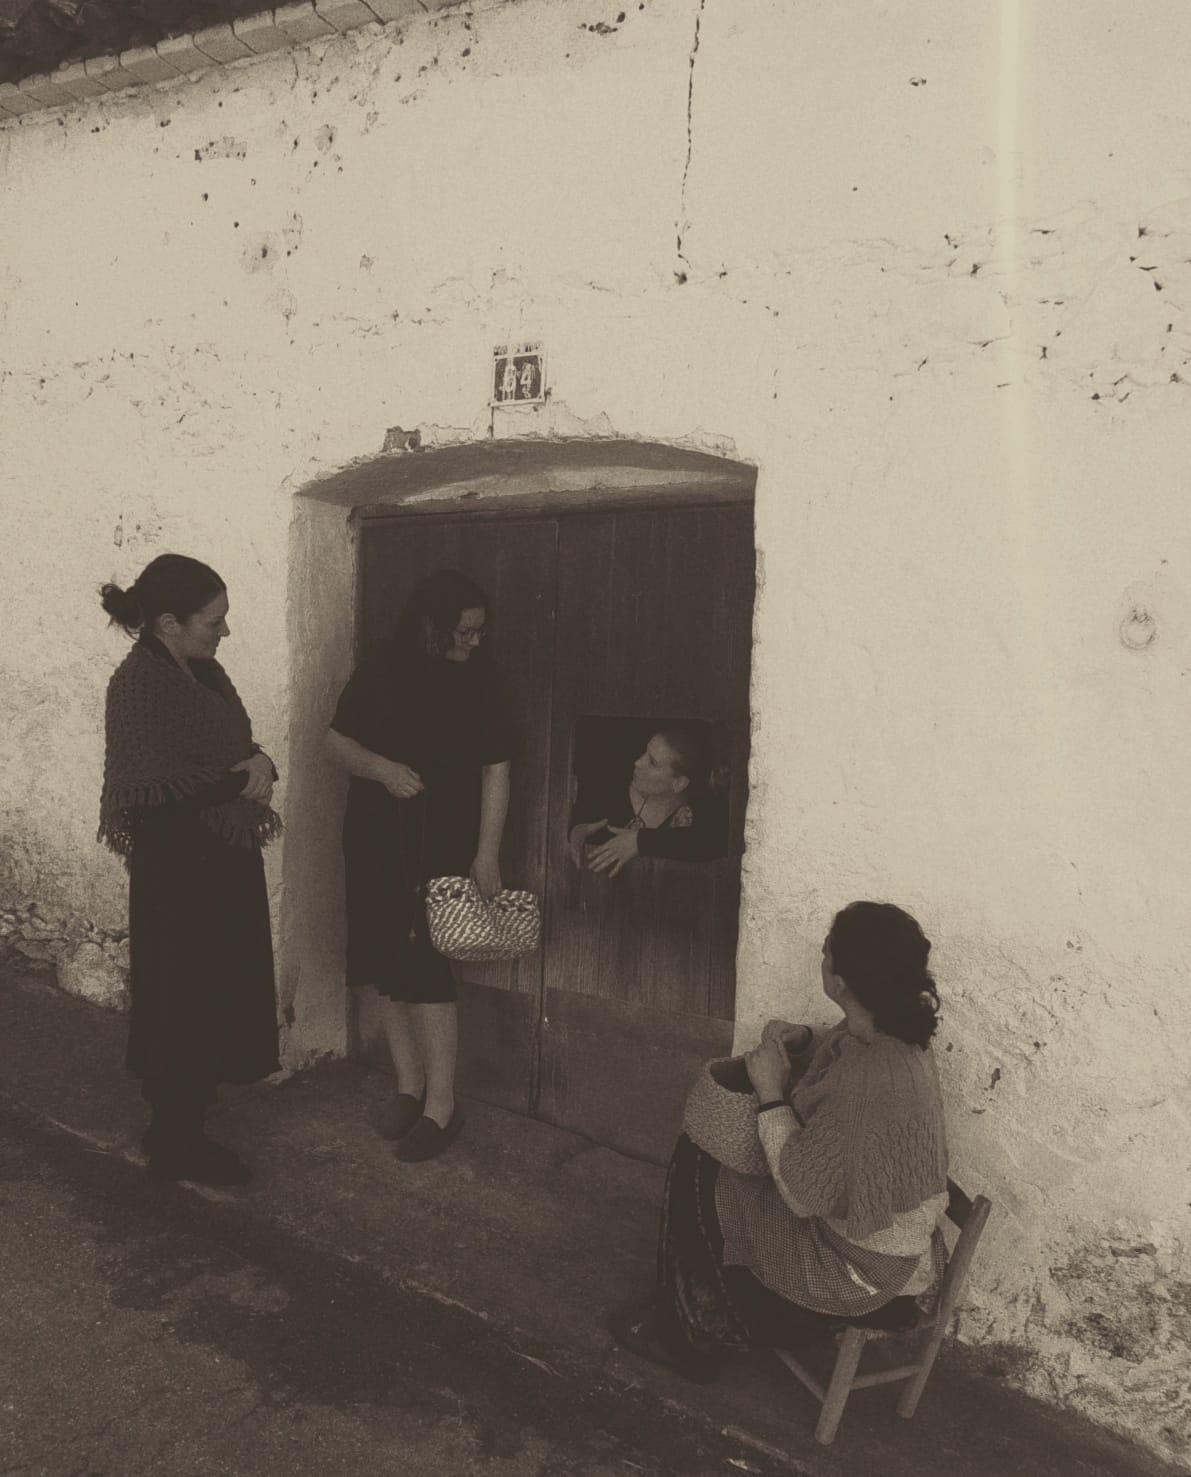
(928, 272)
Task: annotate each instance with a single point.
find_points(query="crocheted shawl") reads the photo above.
(871, 1141)
(167, 736)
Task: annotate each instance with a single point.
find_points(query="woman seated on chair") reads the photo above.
(659, 812)
(836, 1218)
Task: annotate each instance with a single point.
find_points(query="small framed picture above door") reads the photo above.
(518, 374)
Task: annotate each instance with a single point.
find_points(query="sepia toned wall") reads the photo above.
(927, 269)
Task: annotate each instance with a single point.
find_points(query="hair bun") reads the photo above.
(122, 606)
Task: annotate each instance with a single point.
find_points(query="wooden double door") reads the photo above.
(615, 622)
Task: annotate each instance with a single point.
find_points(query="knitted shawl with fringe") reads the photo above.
(167, 736)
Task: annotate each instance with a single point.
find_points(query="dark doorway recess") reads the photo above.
(634, 613)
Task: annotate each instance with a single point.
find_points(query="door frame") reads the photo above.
(497, 478)
(581, 1028)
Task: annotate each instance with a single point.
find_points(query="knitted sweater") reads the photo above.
(859, 1178)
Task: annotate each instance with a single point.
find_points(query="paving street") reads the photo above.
(137, 1339)
(347, 1314)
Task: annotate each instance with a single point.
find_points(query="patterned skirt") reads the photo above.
(705, 1309)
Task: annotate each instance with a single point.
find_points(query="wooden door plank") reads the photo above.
(659, 604)
(623, 1076)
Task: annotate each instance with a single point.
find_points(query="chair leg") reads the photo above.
(850, 1349)
(911, 1395)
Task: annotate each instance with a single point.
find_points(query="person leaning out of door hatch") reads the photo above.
(185, 802)
(424, 731)
(661, 810)
(831, 1213)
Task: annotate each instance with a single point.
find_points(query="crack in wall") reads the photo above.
(686, 168)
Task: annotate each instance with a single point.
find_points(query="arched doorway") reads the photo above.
(621, 575)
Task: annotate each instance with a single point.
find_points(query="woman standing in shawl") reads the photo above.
(186, 803)
(423, 731)
(838, 1223)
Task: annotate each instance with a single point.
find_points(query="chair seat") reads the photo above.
(901, 1315)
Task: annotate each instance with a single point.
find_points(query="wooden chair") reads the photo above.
(970, 1216)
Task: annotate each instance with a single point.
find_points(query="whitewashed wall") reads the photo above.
(927, 267)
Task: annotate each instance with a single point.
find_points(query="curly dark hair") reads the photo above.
(432, 611)
(881, 953)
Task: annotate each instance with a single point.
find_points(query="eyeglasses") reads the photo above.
(470, 633)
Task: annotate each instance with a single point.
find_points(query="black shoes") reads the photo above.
(426, 1139)
(192, 1157)
(395, 1118)
(636, 1327)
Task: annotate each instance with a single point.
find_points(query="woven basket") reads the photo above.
(463, 926)
(723, 1122)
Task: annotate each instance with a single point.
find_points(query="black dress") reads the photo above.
(446, 720)
(200, 944)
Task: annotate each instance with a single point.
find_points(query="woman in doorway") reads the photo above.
(185, 802)
(423, 731)
(656, 814)
(839, 1223)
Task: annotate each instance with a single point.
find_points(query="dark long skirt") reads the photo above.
(203, 1004)
(705, 1309)
(390, 848)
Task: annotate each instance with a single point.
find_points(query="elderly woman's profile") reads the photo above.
(828, 1210)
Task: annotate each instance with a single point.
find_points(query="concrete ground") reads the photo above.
(463, 1299)
(142, 1335)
